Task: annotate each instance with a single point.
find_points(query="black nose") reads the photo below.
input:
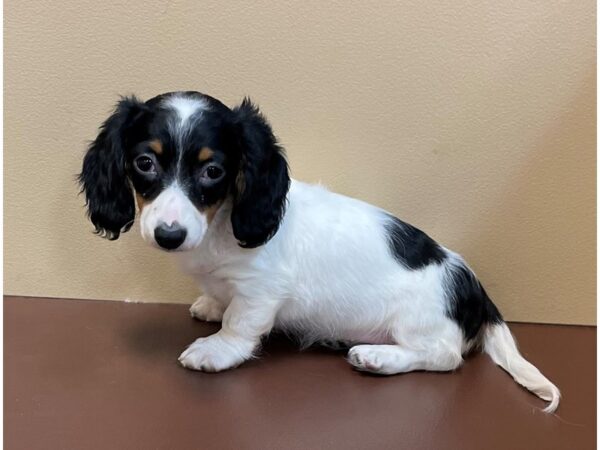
(169, 236)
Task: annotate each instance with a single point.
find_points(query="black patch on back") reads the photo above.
(410, 246)
(469, 305)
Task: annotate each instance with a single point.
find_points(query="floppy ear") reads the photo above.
(103, 178)
(262, 181)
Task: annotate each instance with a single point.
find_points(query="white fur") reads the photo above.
(208, 309)
(327, 275)
(185, 106)
(500, 345)
(180, 126)
(172, 205)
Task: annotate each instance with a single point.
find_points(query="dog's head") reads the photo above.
(183, 155)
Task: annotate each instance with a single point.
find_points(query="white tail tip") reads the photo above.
(502, 348)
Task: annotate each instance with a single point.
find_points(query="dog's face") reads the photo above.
(184, 154)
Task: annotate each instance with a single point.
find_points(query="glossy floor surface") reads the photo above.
(104, 375)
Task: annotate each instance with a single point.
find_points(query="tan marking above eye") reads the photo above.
(156, 146)
(205, 153)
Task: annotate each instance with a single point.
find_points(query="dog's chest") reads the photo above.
(197, 263)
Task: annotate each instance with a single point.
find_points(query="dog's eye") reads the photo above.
(144, 164)
(212, 173)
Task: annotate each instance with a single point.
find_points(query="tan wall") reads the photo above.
(472, 120)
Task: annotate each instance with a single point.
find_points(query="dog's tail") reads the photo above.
(499, 343)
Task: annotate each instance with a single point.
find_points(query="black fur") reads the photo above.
(410, 246)
(178, 162)
(103, 177)
(241, 142)
(263, 183)
(469, 304)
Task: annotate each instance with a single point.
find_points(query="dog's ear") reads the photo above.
(103, 178)
(262, 180)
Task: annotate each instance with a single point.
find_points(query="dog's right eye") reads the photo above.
(145, 165)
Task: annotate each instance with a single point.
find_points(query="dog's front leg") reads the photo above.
(245, 321)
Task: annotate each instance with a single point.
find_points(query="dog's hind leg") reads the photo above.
(391, 359)
(439, 350)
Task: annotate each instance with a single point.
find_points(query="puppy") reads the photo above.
(212, 186)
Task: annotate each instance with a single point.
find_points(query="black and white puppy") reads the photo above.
(212, 185)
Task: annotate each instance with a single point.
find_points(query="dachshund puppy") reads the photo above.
(212, 187)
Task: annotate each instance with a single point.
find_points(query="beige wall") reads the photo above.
(472, 120)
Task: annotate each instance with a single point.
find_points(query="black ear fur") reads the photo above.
(103, 178)
(262, 182)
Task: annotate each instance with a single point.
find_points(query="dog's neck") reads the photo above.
(218, 248)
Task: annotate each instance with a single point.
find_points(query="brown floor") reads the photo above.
(104, 375)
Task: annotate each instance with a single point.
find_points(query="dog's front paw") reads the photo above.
(207, 308)
(214, 354)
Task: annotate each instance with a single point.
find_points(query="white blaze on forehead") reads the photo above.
(185, 106)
